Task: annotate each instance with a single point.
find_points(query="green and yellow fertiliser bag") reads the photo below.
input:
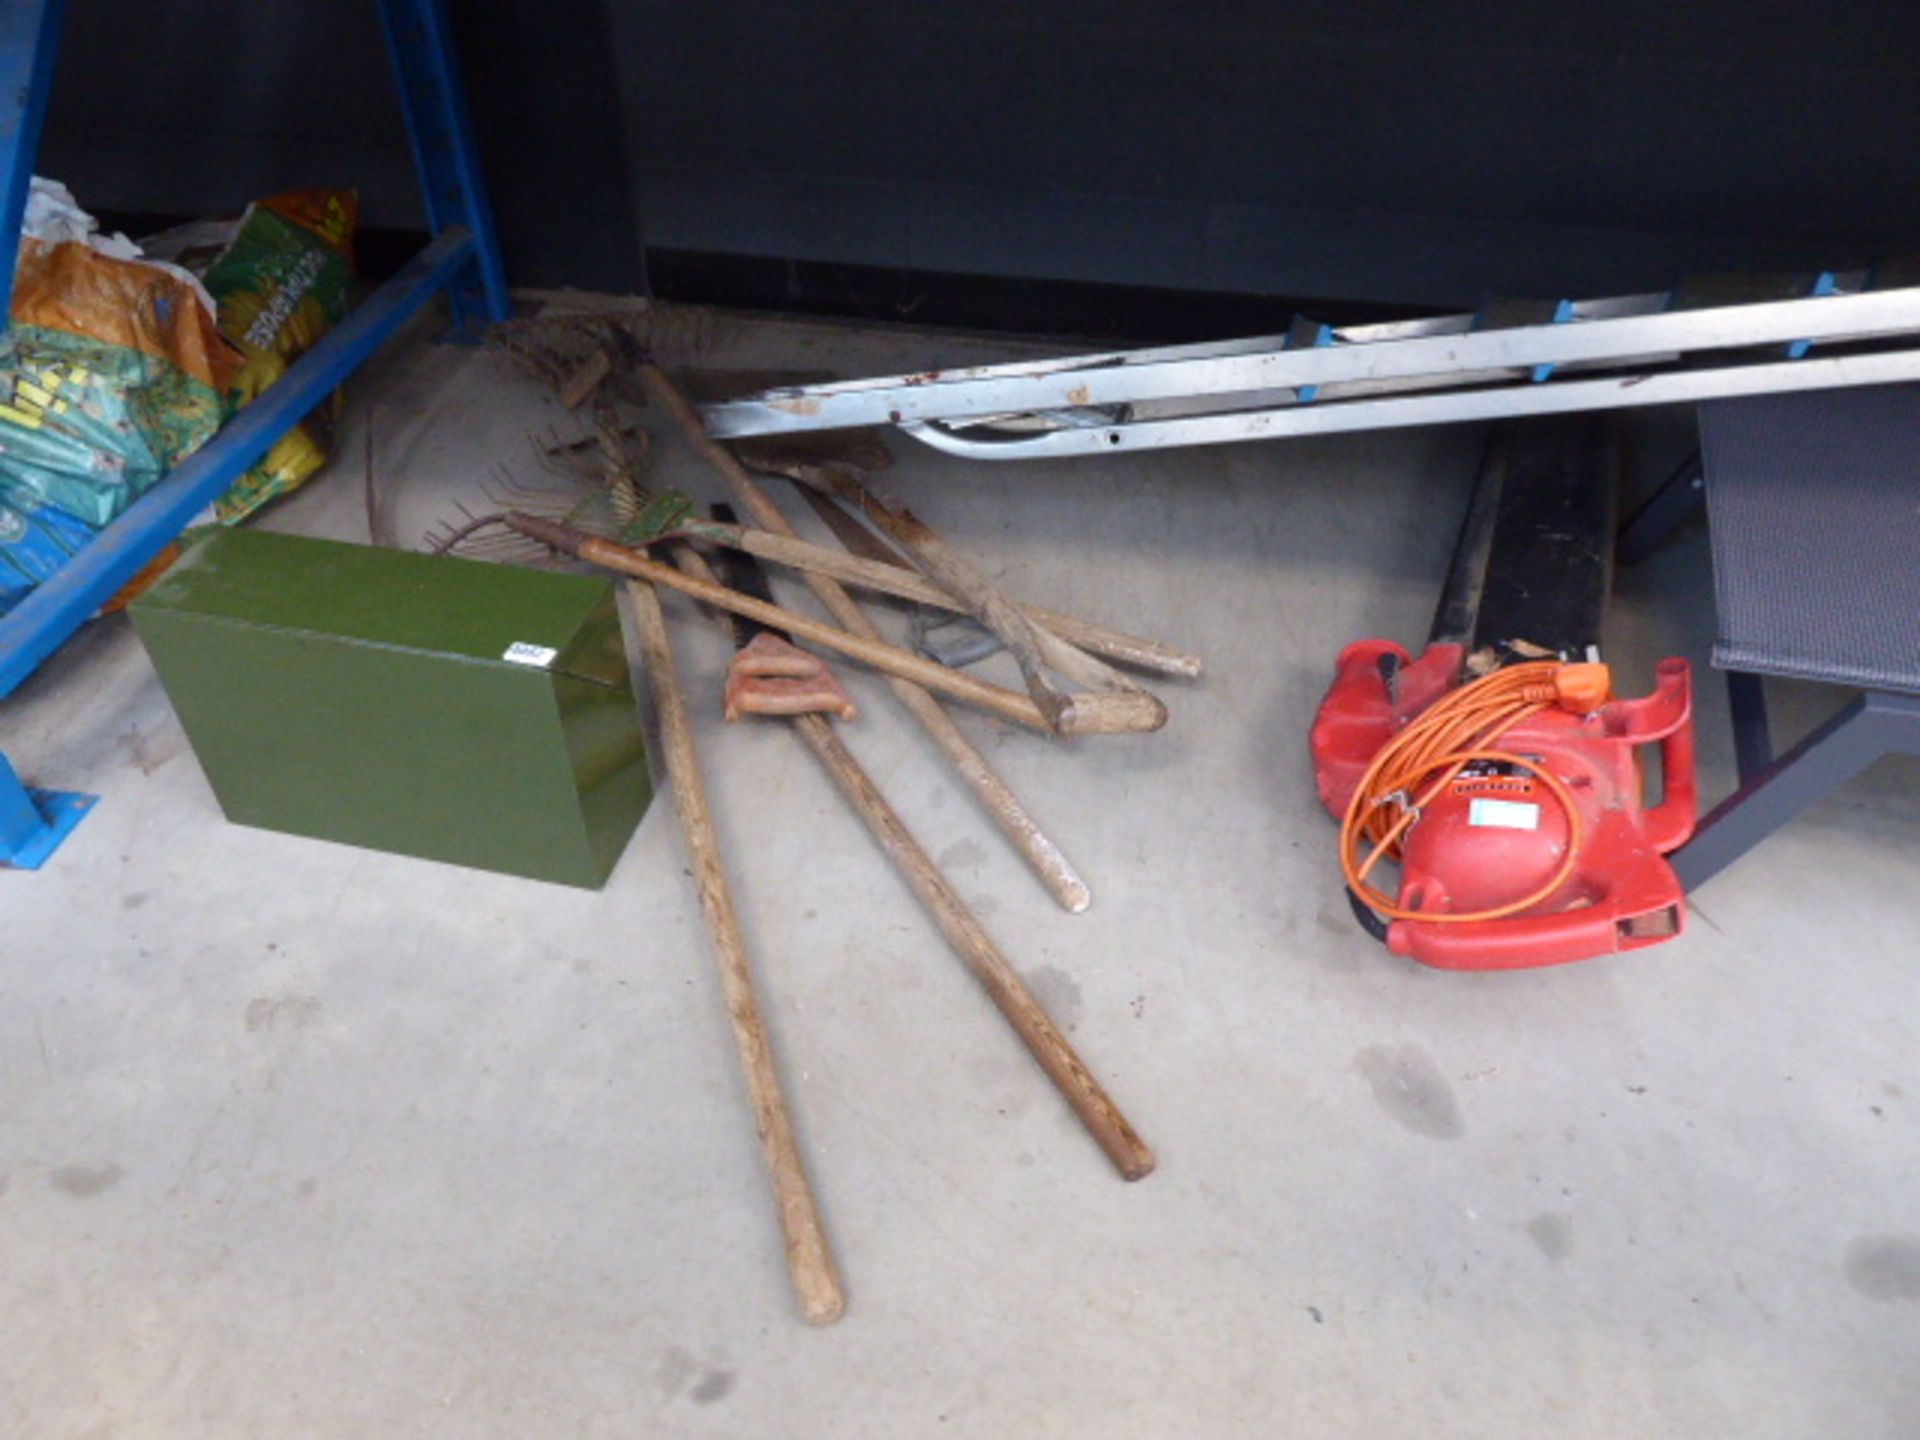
(283, 281)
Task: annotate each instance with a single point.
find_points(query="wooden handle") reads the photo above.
(1040, 852)
(891, 658)
(987, 604)
(1036, 1029)
(879, 566)
(1074, 718)
(1032, 645)
(1030, 1020)
(890, 579)
(1047, 861)
(1112, 712)
(816, 1281)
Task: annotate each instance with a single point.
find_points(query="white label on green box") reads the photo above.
(538, 656)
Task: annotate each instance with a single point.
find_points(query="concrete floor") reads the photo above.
(300, 1140)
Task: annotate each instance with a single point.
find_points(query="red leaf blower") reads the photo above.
(1496, 770)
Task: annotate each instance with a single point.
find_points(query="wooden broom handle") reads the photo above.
(816, 1281)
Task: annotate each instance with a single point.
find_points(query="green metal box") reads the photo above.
(432, 706)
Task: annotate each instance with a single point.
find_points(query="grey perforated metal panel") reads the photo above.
(1814, 508)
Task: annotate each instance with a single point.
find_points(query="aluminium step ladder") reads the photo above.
(1700, 341)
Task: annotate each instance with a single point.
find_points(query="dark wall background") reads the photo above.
(1364, 151)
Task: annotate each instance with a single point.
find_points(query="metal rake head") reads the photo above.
(471, 529)
(620, 509)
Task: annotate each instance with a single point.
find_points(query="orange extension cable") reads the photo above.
(1437, 744)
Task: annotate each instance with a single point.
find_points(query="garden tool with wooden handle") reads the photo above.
(1043, 1039)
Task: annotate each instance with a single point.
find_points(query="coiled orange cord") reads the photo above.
(1413, 768)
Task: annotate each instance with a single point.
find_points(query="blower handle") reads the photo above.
(1669, 825)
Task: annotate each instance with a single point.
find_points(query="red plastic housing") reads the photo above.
(1491, 838)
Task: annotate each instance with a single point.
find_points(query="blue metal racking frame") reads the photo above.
(462, 261)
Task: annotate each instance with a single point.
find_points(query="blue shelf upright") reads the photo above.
(462, 261)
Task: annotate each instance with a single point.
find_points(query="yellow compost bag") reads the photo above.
(283, 281)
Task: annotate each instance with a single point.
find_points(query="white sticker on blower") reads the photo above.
(1504, 814)
(541, 656)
